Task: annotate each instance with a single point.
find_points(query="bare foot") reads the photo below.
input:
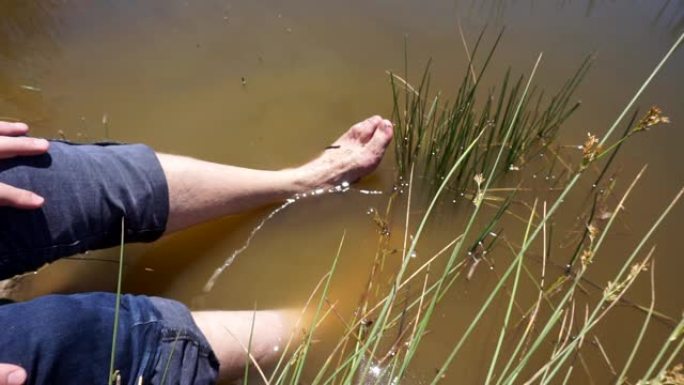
(354, 155)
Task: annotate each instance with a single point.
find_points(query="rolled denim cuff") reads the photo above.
(88, 189)
(66, 339)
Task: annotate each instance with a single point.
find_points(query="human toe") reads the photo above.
(363, 131)
(382, 136)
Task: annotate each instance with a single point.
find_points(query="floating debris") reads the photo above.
(370, 192)
(30, 88)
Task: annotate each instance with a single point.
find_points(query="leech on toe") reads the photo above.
(332, 146)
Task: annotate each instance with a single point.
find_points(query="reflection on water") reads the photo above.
(269, 84)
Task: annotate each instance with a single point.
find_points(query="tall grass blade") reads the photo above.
(117, 305)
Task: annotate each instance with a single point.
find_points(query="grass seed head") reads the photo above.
(615, 289)
(674, 376)
(593, 232)
(587, 258)
(591, 148)
(479, 179)
(653, 117)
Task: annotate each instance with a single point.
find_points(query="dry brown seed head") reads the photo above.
(653, 117)
(591, 147)
(587, 257)
(593, 232)
(479, 179)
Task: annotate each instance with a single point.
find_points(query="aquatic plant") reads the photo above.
(432, 133)
(363, 355)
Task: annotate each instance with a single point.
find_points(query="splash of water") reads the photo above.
(341, 188)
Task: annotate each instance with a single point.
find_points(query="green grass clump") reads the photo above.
(559, 335)
(452, 144)
(431, 134)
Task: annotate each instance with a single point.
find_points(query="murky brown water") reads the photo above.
(170, 74)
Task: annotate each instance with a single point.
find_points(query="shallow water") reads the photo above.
(269, 84)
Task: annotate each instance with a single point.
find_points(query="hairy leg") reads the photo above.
(200, 191)
(228, 333)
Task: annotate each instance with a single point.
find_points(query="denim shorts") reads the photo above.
(67, 339)
(87, 190)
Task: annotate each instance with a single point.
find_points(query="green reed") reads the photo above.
(112, 373)
(433, 133)
(407, 314)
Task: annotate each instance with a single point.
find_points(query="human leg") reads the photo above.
(66, 339)
(88, 189)
(229, 334)
(200, 191)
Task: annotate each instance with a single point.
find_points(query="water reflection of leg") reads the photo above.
(228, 333)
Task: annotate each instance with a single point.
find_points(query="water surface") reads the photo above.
(269, 84)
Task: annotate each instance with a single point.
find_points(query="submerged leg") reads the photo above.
(229, 333)
(158, 339)
(200, 191)
(67, 339)
(88, 189)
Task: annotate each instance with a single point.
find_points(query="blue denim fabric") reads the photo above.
(66, 339)
(87, 190)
